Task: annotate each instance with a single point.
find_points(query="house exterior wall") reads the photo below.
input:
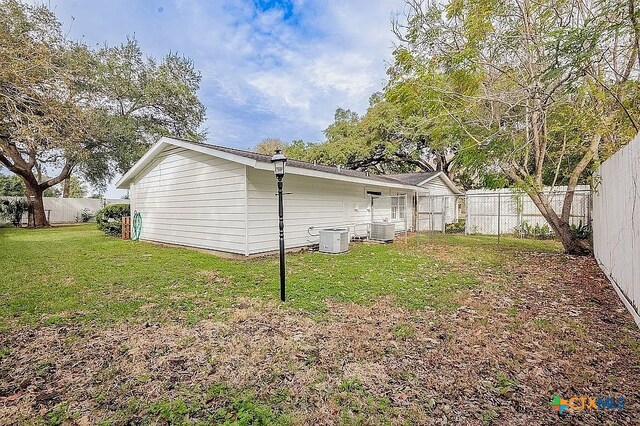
(311, 202)
(436, 186)
(192, 199)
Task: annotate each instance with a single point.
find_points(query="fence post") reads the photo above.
(520, 207)
(444, 204)
(466, 214)
(589, 207)
(431, 222)
(406, 222)
(499, 210)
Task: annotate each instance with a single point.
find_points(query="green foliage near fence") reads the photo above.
(12, 210)
(109, 218)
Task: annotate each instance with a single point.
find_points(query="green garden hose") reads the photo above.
(137, 225)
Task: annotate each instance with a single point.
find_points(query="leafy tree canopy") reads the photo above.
(11, 186)
(534, 92)
(65, 108)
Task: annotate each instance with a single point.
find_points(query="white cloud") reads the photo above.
(263, 75)
(333, 55)
(285, 89)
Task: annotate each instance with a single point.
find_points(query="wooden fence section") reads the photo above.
(616, 223)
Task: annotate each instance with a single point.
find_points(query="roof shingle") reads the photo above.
(405, 178)
(413, 178)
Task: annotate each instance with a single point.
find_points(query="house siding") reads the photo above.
(436, 186)
(311, 202)
(192, 199)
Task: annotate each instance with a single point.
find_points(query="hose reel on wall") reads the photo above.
(136, 225)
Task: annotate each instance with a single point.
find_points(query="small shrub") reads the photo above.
(84, 215)
(109, 218)
(173, 411)
(581, 231)
(4, 351)
(537, 231)
(60, 414)
(12, 210)
(456, 228)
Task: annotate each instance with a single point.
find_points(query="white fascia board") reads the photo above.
(445, 179)
(332, 176)
(212, 151)
(125, 180)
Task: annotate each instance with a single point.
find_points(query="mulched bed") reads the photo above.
(556, 327)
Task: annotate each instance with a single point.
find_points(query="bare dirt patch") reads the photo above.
(557, 327)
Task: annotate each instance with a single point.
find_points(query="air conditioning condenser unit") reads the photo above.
(383, 231)
(334, 240)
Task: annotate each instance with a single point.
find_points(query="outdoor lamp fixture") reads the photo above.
(278, 161)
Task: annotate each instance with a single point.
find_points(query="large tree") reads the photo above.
(391, 137)
(380, 141)
(538, 91)
(268, 146)
(65, 108)
(74, 188)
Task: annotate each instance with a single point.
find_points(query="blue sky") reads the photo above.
(270, 68)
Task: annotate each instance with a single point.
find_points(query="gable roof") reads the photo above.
(261, 161)
(300, 164)
(413, 178)
(419, 179)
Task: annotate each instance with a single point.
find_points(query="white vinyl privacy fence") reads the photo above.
(509, 211)
(68, 210)
(616, 224)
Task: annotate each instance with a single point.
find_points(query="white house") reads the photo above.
(224, 199)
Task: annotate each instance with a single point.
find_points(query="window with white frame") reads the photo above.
(397, 207)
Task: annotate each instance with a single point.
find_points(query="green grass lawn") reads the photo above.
(71, 274)
(97, 330)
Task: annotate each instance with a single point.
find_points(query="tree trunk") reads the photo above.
(571, 244)
(66, 188)
(561, 227)
(37, 215)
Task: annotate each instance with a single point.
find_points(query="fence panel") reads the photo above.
(509, 211)
(616, 224)
(67, 210)
(435, 212)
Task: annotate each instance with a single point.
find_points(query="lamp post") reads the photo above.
(278, 161)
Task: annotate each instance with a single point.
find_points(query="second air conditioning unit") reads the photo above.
(383, 231)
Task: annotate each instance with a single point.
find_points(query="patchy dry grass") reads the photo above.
(519, 323)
